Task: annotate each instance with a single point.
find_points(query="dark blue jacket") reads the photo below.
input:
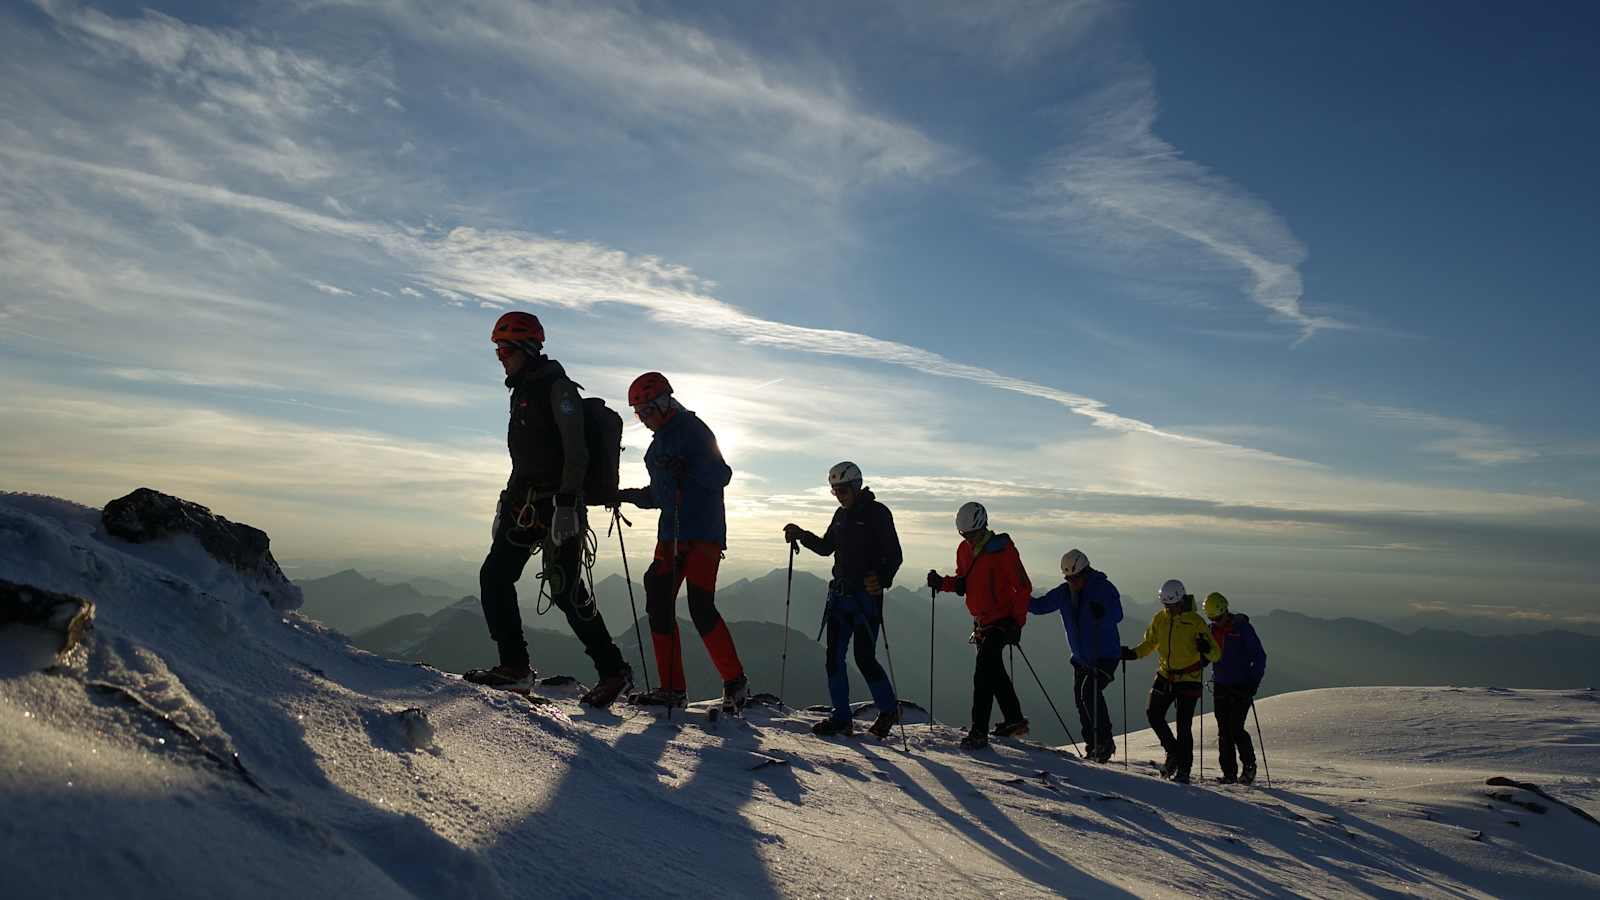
(702, 517)
(1091, 638)
(1244, 660)
(861, 540)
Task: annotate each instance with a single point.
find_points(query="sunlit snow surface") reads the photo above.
(117, 778)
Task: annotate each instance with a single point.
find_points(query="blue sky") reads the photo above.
(1291, 303)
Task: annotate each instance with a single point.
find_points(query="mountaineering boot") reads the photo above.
(735, 694)
(831, 727)
(1180, 777)
(659, 697)
(1169, 767)
(506, 678)
(605, 693)
(884, 723)
(1228, 778)
(1104, 752)
(1247, 773)
(975, 739)
(1019, 728)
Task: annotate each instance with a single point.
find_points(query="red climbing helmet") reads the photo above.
(517, 326)
(648, 387)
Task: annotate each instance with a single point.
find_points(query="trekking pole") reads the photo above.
(1049, 701)
(617, 521)
(889, 655)
(1262, 742)
(932, 611)
(1124, 715)
(1092, 741)
(783, 671)
(1202, 728)
(675, 642)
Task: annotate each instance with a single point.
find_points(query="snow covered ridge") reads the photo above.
(197, 742)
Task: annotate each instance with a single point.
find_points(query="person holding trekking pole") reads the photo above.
(1236, 678)
(866, 555)
(989, 574)
(687, 475)
(1183, 642)
(1090, 608)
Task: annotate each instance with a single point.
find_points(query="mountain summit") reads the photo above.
(196, 741)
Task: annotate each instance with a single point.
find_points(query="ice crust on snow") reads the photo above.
(201, 743)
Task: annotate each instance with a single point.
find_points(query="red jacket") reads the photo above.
(995, 584)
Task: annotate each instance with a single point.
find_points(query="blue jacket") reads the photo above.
(1244, 660)
(702, 517)
(1091, 638)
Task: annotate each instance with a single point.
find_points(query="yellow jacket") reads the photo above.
(1172, 637)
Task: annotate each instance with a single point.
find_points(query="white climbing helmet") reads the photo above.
(844, 473)
(972, 517)
(1073, 562)
(1172, 593)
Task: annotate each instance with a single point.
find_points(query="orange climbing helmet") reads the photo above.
(648, 387)
(516, 327)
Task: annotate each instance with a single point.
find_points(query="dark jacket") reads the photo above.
(1244, 660)
(861, 539)
(545, 434)
(1092, 638)
(993, 580)
(702, 517)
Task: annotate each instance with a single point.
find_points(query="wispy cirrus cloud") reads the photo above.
(1011, 32)
(1466, 441)
(1120, 191)
(331, 289)
(505, 267)
(703, 87)
(192, 101)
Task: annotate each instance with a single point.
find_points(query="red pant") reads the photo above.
(697, 563)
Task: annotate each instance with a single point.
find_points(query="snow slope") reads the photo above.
(117, 775)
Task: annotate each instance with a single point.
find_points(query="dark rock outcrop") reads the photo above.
(147, 515)
(60, 614)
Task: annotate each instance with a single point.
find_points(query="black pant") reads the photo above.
(497, 587)
(1233, 735)
(1088, 691)
(990, 681)
(1163, 695)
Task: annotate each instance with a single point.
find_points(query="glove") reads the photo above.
(494, 528)
(1250, 690)
(1201, 644)
(564, 524)
(636, 496)
(1098, 610)
(935, 581)
(793, 532)
(1127, 653)
(872, 584)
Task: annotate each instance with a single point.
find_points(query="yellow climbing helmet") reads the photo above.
(1216, 605)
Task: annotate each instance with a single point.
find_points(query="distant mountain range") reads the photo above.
(1304, 651)
(352, 602)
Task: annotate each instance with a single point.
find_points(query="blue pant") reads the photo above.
(856, 615)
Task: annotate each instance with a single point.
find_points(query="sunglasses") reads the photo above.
(840, 490)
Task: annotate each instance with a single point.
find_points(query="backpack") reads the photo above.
(602, 435)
